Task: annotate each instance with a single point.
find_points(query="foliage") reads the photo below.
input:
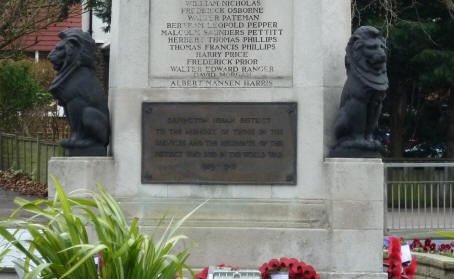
(43, 115)
(421, 71)
(18, 181)
(61, 248)
(100, 8)
(428, 246)
(22, 17)
(40, 113)
(295, 268)
(19, 18)
(18, 92)
(42, 71)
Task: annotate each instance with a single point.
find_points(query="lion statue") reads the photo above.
(362, 96)
(79, 92)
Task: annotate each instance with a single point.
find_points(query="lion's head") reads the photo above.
(366, 57)
(76, 49)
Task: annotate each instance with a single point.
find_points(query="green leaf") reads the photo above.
(89, 255)
(36, 272)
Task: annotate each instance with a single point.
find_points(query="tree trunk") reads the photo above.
(398, 114)
(450, 131)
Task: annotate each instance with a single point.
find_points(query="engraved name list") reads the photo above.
(221, 43)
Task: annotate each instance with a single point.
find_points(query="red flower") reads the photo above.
(395, 269)
(395, 262)
(284, 262)
(202, 274)
(264, 270)
(274, 264)
(290, 264)
(298, 268)
(308, 272)
(293, 261)
(427, 242)
(432, 247)
(411, 269)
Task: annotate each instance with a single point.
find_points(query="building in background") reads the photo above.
(94, 25)
(40, 43)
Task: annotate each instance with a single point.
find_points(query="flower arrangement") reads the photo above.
(397, 270)
(295, 268)
(445, 249)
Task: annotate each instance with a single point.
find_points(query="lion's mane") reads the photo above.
(81, 55)
(356, 63)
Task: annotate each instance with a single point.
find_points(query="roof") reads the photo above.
(47, 38)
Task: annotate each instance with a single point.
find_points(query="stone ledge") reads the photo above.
(353, 275)
(278, 213)
(443, 262)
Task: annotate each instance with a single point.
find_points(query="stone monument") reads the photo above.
(235, 101)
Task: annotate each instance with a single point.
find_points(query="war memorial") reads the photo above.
(236, 102)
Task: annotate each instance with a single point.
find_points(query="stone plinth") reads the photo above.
(341, 236)
(81, 173)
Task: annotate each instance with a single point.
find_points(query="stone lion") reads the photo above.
(78, 91)
(362, 96)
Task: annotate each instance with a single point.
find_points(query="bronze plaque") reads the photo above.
(219, 143)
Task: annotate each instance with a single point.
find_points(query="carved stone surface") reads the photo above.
(79, 92)
(219, 44)
(362, 96)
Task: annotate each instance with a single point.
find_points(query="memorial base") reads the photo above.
(353, 153)
(359, 275)
(341, 235)
(97, 150)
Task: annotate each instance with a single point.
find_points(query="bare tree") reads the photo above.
(22, 17)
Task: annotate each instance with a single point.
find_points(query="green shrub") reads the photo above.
(60, 247)
(18, 92)
(42, 71)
